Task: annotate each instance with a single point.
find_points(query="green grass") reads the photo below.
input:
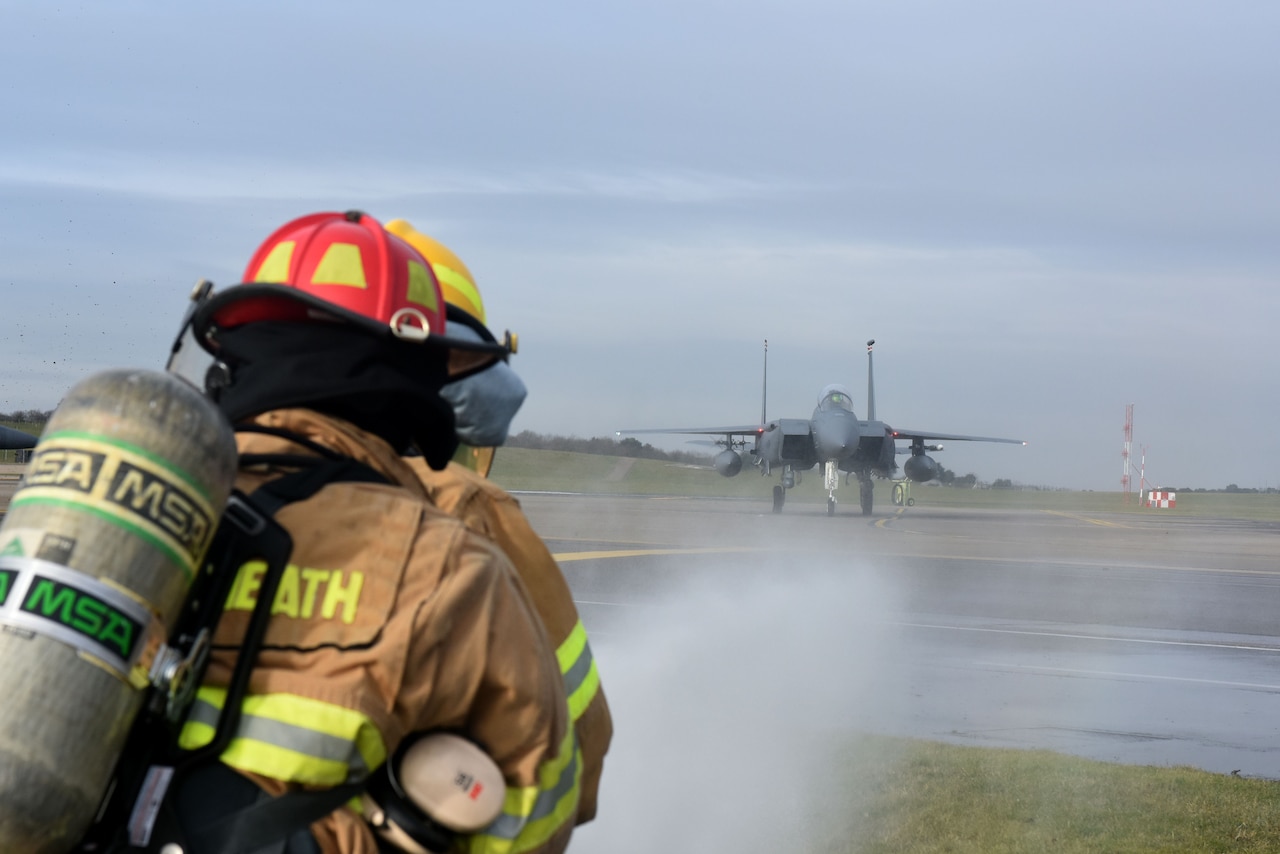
(1223, 505)
(917, 797)
(523, 469)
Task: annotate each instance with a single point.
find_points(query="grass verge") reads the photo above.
(523, 469)
(916, 797)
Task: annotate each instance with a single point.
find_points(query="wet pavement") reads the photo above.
(1129, 638)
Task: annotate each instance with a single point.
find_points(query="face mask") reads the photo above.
(484, 404)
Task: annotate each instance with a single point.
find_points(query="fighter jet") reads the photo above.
(15, 440)
(833, 438)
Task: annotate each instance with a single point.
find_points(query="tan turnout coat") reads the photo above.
(491, 511)
(400, 613)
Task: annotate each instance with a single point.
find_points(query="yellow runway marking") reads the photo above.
(565, 557)
(880, 523)
(1101, 522)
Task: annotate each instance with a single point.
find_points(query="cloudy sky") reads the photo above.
(1042, 211)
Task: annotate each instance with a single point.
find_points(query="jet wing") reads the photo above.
(950, 437)
(741, 430)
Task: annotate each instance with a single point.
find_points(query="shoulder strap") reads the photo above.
(315, 474)
(265, 826)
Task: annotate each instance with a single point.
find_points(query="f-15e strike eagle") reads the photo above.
(833, 438)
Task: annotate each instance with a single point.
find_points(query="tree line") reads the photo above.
(27, 416)
(1231, 488)
(604, 445)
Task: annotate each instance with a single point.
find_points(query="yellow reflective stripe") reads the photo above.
(275, 267)
(580, 699)
(459, 290)
(341, 264)
(569, 650)
(421, 289)
(196, 734)
(531, 815)
(578, 667)
(288, 737)
(280, 763)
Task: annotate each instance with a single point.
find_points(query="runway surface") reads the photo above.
(1130, 638)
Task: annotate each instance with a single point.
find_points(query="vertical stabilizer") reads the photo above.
(764, 392)
(871, 384)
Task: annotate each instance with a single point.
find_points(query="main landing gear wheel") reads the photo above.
(779, 496)
(865, 494)
(831, 507)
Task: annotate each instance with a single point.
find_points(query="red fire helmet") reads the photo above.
(342, 267)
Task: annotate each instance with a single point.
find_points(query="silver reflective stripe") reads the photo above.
(507, 826)
(319, 745)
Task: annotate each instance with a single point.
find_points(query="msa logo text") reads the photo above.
(139, 490)
(163, 503)
(83, 614)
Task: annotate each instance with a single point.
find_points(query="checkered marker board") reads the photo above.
(1162, 499)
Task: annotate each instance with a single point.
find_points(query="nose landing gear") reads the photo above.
(831, 480)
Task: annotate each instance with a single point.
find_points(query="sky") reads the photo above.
(1042, 212)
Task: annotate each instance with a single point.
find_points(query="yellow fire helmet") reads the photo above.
(479, 460)
(455, 279)
(460, 292)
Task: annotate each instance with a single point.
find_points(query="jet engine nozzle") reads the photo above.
(728, 463)
(921, 468)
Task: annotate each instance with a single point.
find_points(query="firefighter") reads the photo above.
(392, 620)
(484, 405)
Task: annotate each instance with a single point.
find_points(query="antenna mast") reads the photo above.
(1142, 475)
(871, 384)
(764, 393)
(1125, 480)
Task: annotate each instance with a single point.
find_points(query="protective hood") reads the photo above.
(382, 386)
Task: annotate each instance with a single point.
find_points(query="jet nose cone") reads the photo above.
(836, 438)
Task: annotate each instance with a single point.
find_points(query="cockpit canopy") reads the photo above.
(835, 396)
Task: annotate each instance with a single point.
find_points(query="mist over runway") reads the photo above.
(1131, 638)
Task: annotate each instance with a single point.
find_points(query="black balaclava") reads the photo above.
(387, 387)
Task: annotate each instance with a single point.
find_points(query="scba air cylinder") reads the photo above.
(97, 552)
